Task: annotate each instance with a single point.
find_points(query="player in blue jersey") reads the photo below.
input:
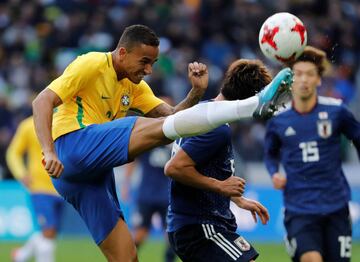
(201, 226)
(305, 139)
(152, 194)
(89, 135)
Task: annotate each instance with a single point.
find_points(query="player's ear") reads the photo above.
(122, 52)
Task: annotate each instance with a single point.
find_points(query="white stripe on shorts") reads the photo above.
(205, 231)
(237, 251)
(221, 241)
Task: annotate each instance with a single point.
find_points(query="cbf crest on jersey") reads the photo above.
(125, 100)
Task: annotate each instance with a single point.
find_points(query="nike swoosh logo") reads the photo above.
(104, 97)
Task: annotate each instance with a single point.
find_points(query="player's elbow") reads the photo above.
(171, 170)
(168, 169)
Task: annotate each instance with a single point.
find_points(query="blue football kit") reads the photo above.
(153, 188)
(152, 194)
(153, 191)
(317, 193)
(201, 225)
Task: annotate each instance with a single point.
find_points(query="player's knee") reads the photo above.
(133, 254)
(311, 256)
(49, 233)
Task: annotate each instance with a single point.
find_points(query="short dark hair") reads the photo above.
(137, 34)
(244, 78)
(315, 56)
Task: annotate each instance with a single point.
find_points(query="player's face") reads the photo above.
(139, 61)
(306, 80)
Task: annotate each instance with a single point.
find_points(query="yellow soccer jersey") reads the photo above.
(24, 143)
(91, 94)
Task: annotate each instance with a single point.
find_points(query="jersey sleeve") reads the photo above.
(201, 149)
(144, 99)
(75, 77)
(16, 151)
(350, 127)
(272, 148)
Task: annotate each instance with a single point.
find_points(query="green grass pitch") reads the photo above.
(80, 250)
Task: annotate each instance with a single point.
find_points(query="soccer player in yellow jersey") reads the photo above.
(88, 136)
(47, 203)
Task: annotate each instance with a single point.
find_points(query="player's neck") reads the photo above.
(304, 105)
(116, 66)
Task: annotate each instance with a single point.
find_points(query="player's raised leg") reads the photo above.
(148, 133)
(274, 95)
(202, 118)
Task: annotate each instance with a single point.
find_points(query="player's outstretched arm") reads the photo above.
(254, 207)
(182, 169)
(43, 106)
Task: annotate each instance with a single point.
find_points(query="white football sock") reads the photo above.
(204, 117)
(45, 250)
(28, 249)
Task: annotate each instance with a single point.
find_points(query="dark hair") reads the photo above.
(137, 34)
(312, 55)
(244, 78)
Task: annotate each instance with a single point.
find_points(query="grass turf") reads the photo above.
(79, 250)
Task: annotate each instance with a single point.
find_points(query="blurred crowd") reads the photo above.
(38, 38)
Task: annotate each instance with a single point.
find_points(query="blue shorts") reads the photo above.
(95, 201)
(146, 211)
(88, 152)
(48, 210)
(329, 234)
(208, 243)
(87, 182)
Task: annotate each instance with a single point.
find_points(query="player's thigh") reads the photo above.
(87, 152)
(146, 134)
(96, 202)
(208, 243)
(304, 234)
(338, 236)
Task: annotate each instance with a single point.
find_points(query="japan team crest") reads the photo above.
(242, 244)
(125, 100)
(324, 128)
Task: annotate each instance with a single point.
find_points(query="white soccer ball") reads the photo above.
(282, 37)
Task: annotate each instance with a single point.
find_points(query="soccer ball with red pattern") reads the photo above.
(282, 37)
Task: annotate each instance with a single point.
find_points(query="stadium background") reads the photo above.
(38, 38)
